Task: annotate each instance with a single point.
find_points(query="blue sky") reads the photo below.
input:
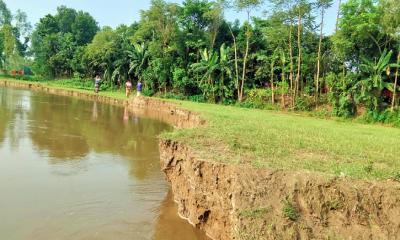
(115, 12)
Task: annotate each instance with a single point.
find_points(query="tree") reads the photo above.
(394, 98)
(58, 39)
(65, 18)
(248, 6)
(8, 44)
(322, 5)
(302, 8)
(216, 72)
(360, 33)
(284, 12)
(84, 28)
(22, 30)
(391, 25)
(5, 14)
(101, 52)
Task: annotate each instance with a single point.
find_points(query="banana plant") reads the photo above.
(207, 66)
(138, 60)
(372, 83)
(217, 73)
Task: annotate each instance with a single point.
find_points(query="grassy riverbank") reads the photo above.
(270, 139)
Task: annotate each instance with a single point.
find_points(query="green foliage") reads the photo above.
(387, 117)
(340, 95)
(57, 41)
(372, 83)
(397, 177)
(304, 103)
(257, 98)
(170, 95)
(190, 49)
(335, 204)
(216, 81)
(197, 98)
(290, 211)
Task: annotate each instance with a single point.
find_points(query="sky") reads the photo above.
(115, 12)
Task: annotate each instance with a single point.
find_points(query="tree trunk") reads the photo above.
(236, 62)
(395, 83)
(319, 55)
(283, 85)
(272, 80)
(291, 62)
(338, 15)
(245, 56)
(299, 56)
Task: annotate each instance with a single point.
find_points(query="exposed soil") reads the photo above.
(240, 202)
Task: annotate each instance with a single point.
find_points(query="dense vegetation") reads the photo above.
(190, 51)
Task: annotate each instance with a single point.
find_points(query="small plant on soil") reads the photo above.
(369, 167)
(334, 204)
(290, 211)
(397, 177)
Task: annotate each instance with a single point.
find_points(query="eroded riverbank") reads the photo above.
(240, 202)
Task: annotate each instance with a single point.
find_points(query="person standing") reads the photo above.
(139, 88)
(97, 81)
(128, 88)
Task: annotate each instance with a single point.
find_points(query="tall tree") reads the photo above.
(391, 25)
(248, 6)
(5, 14)
(322, 5)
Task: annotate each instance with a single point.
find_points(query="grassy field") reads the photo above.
(271, 139)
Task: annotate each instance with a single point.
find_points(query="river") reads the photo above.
(76, 169)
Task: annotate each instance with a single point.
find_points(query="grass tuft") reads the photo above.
(254, 213)
(290, 211)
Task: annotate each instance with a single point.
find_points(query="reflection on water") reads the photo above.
(74, 169)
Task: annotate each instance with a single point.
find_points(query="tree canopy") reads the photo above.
(191, 51)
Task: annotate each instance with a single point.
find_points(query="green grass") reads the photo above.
(254, 213)
(277, 140)
(270, 139)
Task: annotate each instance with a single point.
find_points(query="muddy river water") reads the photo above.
(75, 169)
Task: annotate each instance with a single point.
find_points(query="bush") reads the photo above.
(147, 92)
(304, 103)
(256, 98)
(344, 107)
(197, 98)
(387, 116)
(340, 95)
(171, 95)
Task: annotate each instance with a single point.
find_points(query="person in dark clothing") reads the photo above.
(139, 88)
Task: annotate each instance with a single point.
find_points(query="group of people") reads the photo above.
(128, 86)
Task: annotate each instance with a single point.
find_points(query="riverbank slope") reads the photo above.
(252, 174)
